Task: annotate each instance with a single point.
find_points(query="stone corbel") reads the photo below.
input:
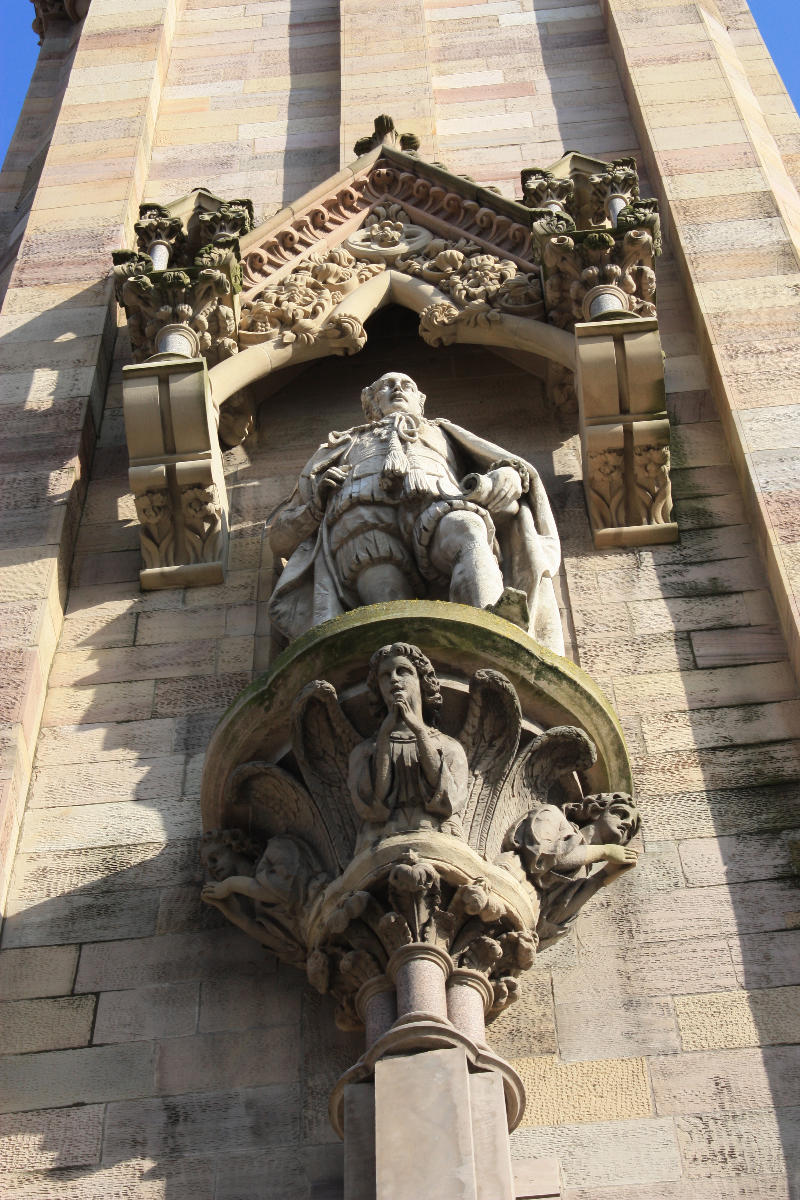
(176, 473)
(624, 432)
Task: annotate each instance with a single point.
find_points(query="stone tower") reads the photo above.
(399, 545)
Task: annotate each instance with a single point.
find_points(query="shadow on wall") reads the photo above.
(310, 137)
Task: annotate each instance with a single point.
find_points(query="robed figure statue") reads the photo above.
(403, 508)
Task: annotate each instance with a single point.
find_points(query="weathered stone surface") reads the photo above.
(767, 960)
(607, 1153)
(565, 1093)
(144, 1178)
(99, 1073)
(527, 1026)
(143, 1014)
(27, 1025)
(37, 972)
(213, 1061)
(754, 1018)
(734, 1080)
(758, 1143)
(244, 1119)
(175, 957)
(736, 859)
(49, 1138)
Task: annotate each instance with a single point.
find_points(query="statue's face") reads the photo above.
(615, 826)
(219, 859)
(398, 681)
(397, 393)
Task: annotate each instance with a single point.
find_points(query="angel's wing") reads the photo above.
(280, 804)
(322, 740)
(490, 737)
(558, 751)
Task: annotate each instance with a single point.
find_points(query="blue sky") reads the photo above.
(777, 20)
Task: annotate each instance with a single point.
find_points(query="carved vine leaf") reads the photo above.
(322, 741)
(653, 486)
(606, 489)
(157, 533)
(490, 737)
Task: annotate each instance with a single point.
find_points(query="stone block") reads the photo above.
(755, 1143)
(631, 1026)
(49, 1139)
(437, 1125)
(76, 918)
(37, 972)
(173, 958)
(86, 1076)
(143, 1178)
(271, 998)
(735, 1081)
(94, 743)
(761, 1017)
(536, 1178)
(45, 1024)
(565, 1093)
(767, 959)
(246, 1119)
(145, 1014)
(737, 859)
(215, 1061)
(105, 702)
(87, 825)
(95, 783)
(607, 1153)
(144, 865)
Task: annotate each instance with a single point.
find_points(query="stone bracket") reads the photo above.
(176, 473)
(624, 432)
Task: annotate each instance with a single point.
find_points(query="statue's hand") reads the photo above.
(406, 714)
(213, 892)
(506, 491)
(618, 859)
(331, 481)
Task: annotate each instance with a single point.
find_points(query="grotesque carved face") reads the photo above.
(397, 393)
(219, 859)
(399, 683)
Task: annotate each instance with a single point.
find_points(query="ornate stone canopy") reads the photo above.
(565, 274)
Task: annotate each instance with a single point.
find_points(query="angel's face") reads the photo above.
(399, 683)
(616, 825)
(219, 860)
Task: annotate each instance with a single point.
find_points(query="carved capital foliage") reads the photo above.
(541, 189)
(184, 272)
(48, 11)
(576, 265)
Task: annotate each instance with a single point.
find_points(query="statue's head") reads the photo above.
(394, 392)
(613, 816)
(226, 852)
(403, 671)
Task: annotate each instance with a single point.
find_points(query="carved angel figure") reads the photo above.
(279, 883)
(558, 848)
(523, 809)
(409, 775)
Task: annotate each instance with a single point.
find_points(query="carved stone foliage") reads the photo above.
(496, 225)
(184, 274)
(48, 11)
(298, 306)
(581, 267)
(478, 844)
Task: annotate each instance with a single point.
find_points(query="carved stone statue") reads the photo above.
(409, 775)
(403, 508)
(558, 847)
